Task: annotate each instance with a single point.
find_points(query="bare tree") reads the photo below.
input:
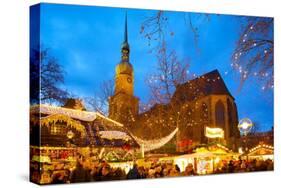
(163, 115)
(99, 102)
(157, 26)
(253, 55)
(154, 28)
(171, 72)
(46, 74)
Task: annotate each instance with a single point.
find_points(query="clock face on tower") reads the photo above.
(129, 80)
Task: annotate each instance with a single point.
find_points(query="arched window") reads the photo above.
(220, 115)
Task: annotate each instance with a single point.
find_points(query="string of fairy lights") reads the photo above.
(149, 145)
(187, 110)
(261, 146)
(58, 118)
(60, 114)
(236, 65)
(183, 115)
(245, 73)
(110, 135)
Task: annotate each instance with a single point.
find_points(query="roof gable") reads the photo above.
(208, 84)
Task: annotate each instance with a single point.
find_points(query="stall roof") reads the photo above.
(73, 113)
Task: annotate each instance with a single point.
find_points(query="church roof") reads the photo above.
(210, 83)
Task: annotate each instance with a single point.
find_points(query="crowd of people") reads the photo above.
(103, 172)
(86, 171)
(252, 165)
(157, 170)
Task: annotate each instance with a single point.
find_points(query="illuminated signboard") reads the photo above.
(214, 132)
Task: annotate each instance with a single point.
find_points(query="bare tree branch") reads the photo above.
(253, 55)
(99, 102)
(45, 67)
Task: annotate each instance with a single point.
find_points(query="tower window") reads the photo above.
(230, 118)
(220, 115)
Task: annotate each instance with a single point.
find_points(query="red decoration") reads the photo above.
(126, 147)
(184, 142)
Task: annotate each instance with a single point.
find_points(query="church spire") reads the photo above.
(126, 30)
(125, 50)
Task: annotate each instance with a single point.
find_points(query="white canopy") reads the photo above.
(75, 114)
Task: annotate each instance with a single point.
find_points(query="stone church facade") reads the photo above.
(197, 104)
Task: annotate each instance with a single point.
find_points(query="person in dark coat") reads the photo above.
(230, 166)
(60, 178)
(80, 174)
(134, 173)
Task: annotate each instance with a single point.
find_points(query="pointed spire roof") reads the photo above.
(126, 30)
(125, 43)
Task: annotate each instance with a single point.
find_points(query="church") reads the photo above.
(203, 110)
(123, 105)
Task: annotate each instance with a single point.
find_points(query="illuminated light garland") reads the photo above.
(75, 114)
(111, 135)
(55, 118)
(149, 145)
(108, 119)
(222, 147)
(261, 146)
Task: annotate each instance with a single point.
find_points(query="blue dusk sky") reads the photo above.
(86, 40)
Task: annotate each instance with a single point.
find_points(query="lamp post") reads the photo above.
(245, 125)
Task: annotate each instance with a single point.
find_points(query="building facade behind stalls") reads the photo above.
(199, 104)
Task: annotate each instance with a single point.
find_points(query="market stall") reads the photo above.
(204, 159)
(261, 151)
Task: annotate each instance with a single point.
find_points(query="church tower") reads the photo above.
(123, 105)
